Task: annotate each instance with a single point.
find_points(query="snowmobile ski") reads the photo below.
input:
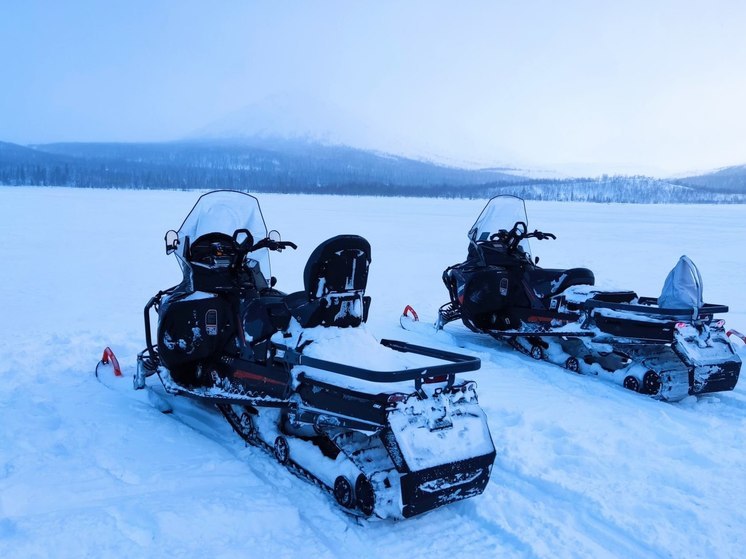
(109, 373)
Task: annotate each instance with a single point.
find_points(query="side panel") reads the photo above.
(193, 327)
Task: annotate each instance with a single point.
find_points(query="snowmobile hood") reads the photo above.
(225, 211)
(501, 212)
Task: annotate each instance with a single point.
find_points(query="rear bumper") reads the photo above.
(433, 487)
(714, 367)
(715, 378)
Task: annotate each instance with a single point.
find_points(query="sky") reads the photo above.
(636, 86)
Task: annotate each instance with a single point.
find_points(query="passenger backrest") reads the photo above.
(338, 265)
(335, 279)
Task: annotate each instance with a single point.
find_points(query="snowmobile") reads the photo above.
(389, 443)
(667, 347)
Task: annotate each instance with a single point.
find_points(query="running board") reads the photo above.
(214, 396)
(510, 334)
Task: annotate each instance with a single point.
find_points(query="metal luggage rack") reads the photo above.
(649, 306)
(455, 363)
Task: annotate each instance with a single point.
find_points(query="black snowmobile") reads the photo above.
(389, 443)
(667, 347)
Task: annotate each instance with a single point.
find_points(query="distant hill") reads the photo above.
(262, 165)
(620, 188)
(13, 154)
(299, 166)
(727, 180)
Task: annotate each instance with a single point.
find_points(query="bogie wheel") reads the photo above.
(631, 383)
(366, 496)
(343, 492)
(572, 364)
(247, 427)
(536, 352)
(282, 450)
(651, 383)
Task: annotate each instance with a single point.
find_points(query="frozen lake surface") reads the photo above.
(583, 469)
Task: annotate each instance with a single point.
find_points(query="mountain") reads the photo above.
(261, 164)
(727, 180)
(293, 116)
(21, 155)
(287, 116)
(273, 164)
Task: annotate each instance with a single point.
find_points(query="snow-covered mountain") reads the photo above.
(262, 164)
(302, 116)
(289, 117)
(727, 179)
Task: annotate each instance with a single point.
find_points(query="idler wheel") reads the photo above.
(343, 492)
(366, 496)
(651, 383)
(282, 450)
(631, 383)
(247, 426)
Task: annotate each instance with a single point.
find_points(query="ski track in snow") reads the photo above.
(583, 469)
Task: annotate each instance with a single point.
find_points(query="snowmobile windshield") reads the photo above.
(500, 213)
(225, 211)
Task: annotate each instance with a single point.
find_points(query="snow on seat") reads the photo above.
(547, 282)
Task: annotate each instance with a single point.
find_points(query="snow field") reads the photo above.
(583, 468)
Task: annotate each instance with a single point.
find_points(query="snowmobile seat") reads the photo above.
(264, 316)
(615, 296)
(547, 282)
(335, 278)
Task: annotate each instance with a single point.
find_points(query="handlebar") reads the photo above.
(541, 236)
(519, 232)
(273, 245)
(248, 245)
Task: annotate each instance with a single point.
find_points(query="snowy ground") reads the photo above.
(584, 468)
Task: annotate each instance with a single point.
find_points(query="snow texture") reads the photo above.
(583, 469)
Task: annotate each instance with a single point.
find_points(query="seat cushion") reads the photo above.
(546, 282)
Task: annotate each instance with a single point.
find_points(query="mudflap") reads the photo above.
(442, 447)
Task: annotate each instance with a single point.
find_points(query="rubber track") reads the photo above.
(294, 467)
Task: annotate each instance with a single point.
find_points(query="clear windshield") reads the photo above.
(225, 211)
(501, 212)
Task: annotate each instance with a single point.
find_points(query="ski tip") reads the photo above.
(736, 335)
(410, 313)
(108, 358)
